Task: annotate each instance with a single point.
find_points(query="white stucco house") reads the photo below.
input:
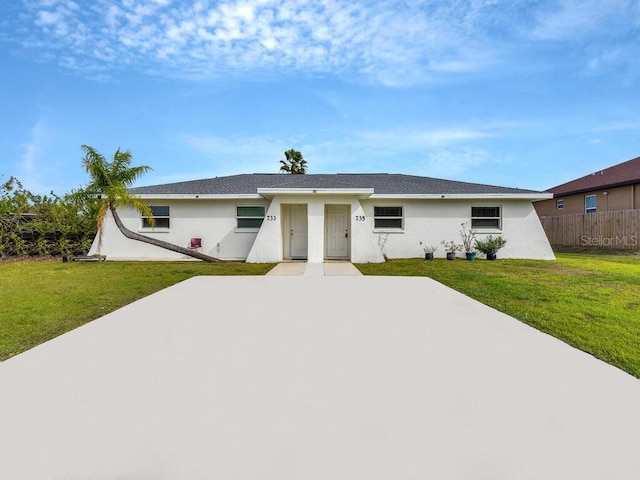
(356, 217)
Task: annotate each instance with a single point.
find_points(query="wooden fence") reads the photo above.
(615, 229)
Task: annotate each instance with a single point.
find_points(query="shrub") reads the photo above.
(490, 245)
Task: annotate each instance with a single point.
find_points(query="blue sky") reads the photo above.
(526, 94)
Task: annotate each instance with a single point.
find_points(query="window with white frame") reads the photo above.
(161, 216)
(249, 216)
(590, 204)
(388, 217)
(559, 204)
(486, 218)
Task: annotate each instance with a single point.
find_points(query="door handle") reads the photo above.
(292, 232)
(346, 234)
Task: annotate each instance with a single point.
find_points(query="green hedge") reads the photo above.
(39, 225)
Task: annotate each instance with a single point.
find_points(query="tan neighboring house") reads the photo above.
(614, 188)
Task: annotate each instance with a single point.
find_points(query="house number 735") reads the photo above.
(360, 218)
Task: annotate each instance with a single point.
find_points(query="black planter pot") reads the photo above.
(451, 256)
(491, 256)
(428, 256)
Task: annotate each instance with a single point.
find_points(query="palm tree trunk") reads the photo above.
(159, 243)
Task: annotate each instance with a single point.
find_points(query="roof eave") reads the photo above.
(599, 187)
(469, 196)
(361, 193)
(197, 196)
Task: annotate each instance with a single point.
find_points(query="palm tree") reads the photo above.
(109, 181)
(294, 162)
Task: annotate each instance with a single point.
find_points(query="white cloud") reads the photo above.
(616, 127)
(48, 18)
(232, 155)
(390, 42)
(569, 19)
(416, 138)
(444, 152)
(449, 163)
(601, 34)
(396, 43)
(34, 170)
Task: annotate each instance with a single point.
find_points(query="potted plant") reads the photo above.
(428, 251)
(490, 246)
(468, 237)
(451, 249)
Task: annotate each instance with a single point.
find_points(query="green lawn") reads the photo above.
(42, 299)
(589, 301)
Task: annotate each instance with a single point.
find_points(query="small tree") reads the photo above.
(294, 162)
(109, 182)
(467, 236)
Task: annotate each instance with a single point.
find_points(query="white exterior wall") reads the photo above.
(213, 221)
(365, 247)
(429, 221)
(432, 221)
(269, 244)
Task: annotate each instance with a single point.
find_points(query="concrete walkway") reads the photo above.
(314, 377)
(329, 269)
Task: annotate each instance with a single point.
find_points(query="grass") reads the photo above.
(43, 299)
(589, 301)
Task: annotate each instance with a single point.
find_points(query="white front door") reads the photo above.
(299, 232)
(337, 231)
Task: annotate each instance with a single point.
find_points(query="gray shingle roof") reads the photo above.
(382, 183)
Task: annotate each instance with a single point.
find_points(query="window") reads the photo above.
(590, 204)
(559, 204)
(387, 217)
(486, 217)
(160, 215)
(250, 216)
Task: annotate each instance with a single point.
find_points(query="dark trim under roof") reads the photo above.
(382, 183)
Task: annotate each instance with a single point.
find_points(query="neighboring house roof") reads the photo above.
(381, 184)
(625, 173)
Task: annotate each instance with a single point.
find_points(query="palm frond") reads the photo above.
(119, 195)
(143, 209)
(129, 176)
(110, 180)
(97, 167)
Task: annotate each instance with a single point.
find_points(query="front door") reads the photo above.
(337, 231)
(298, 232)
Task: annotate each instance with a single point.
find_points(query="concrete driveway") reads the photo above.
(314, 376)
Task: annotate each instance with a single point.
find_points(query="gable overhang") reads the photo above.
(360, 193)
